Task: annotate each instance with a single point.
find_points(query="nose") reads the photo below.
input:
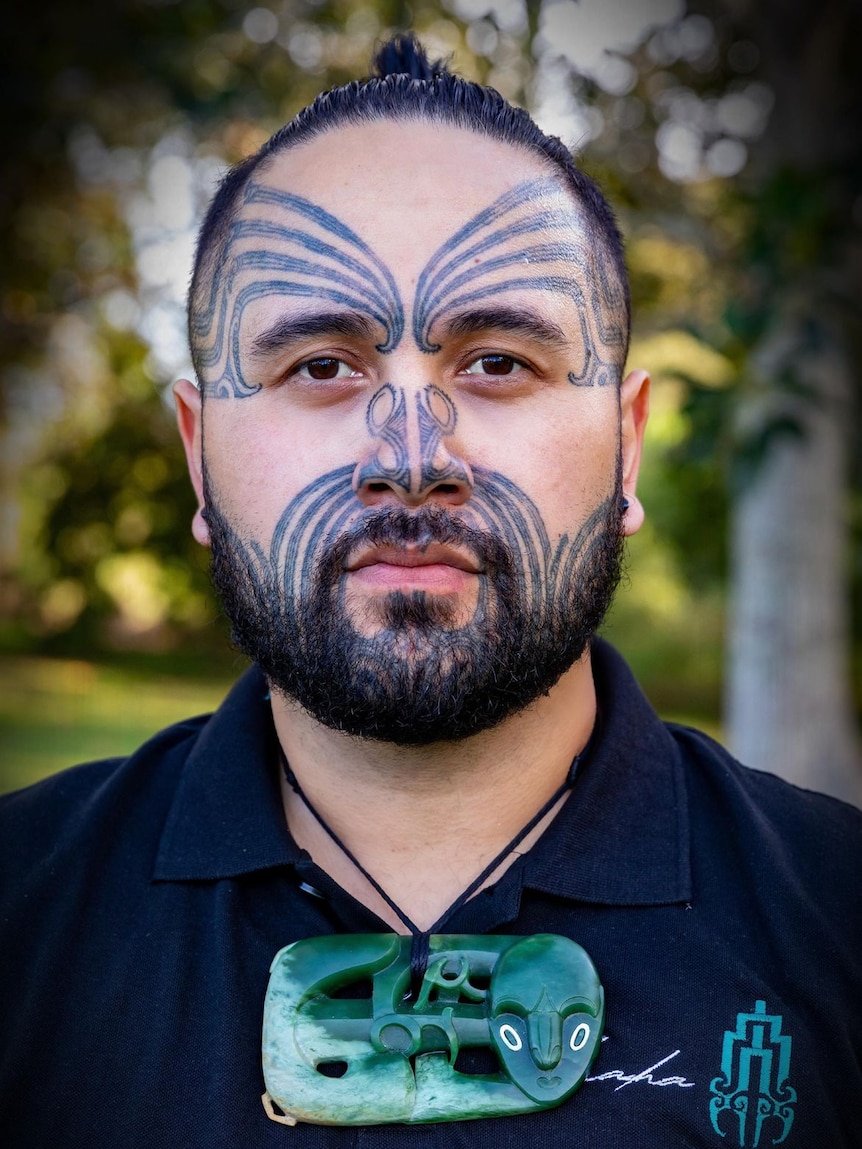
(545, 1034)
(411, 455)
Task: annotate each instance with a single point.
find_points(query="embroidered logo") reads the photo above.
(752, 1095)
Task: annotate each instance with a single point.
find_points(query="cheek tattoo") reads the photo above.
(426, 671)
(532, 237)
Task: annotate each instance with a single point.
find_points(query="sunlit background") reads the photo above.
(727, 135)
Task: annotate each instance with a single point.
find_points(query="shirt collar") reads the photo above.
(227, 817)
(623, 836)
(621, 839)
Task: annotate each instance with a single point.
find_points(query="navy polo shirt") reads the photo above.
(144, 899)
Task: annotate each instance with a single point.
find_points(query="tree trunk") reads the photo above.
(789, 704)
(789, 708)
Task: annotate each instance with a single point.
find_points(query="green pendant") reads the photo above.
(342, 1045)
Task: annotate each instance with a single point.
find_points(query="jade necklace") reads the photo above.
(366, 1029)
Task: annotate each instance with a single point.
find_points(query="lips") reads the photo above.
(434, 554)
(436, 568)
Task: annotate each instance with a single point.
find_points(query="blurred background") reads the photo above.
(728, 135)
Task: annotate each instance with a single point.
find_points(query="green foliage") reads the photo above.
(110, 556)
(691, 500)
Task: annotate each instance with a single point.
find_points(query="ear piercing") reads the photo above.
(624, 504)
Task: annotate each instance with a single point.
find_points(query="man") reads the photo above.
(501, 902)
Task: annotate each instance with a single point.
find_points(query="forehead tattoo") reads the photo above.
(533, 237)
(297, 250)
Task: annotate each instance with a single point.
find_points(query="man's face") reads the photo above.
(411, 444)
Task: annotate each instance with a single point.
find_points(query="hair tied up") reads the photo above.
(404, 55)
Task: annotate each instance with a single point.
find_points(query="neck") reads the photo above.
(426, 820)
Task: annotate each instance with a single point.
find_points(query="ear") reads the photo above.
(634, 410)
(190, 422)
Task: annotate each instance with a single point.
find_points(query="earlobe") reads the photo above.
(190, 424)
(200, 528)
(634, 411)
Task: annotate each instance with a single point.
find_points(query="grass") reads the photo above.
(58, 712)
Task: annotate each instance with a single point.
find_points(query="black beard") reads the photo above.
(422, 676)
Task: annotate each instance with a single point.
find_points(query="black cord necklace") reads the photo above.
(419, 950)
(367, 1029)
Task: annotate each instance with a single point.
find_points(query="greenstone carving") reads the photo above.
(346, 1043)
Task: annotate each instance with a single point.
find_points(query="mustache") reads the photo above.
(399, 527)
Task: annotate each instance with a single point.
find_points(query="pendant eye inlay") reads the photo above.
(580, 1037)
(510, 1037)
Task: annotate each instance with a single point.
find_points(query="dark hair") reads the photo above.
(406, 86)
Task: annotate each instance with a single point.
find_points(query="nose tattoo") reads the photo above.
(387, 420)
(412, 455)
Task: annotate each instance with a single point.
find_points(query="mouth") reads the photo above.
(435, 568)
(433, 554)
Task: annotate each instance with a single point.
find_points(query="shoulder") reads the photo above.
(721, 792)
(768, 823)
(115, 812)
(712, 766)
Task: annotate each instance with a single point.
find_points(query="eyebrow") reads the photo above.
(287, 330)
(516, 320)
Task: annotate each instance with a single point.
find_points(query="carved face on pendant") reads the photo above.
(545, 1015)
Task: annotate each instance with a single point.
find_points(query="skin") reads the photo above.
(419, 405)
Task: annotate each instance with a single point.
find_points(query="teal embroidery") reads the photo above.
(755, 1063)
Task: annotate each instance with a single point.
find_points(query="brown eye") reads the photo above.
(498, 364)
(325, 367)
(494, 365)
